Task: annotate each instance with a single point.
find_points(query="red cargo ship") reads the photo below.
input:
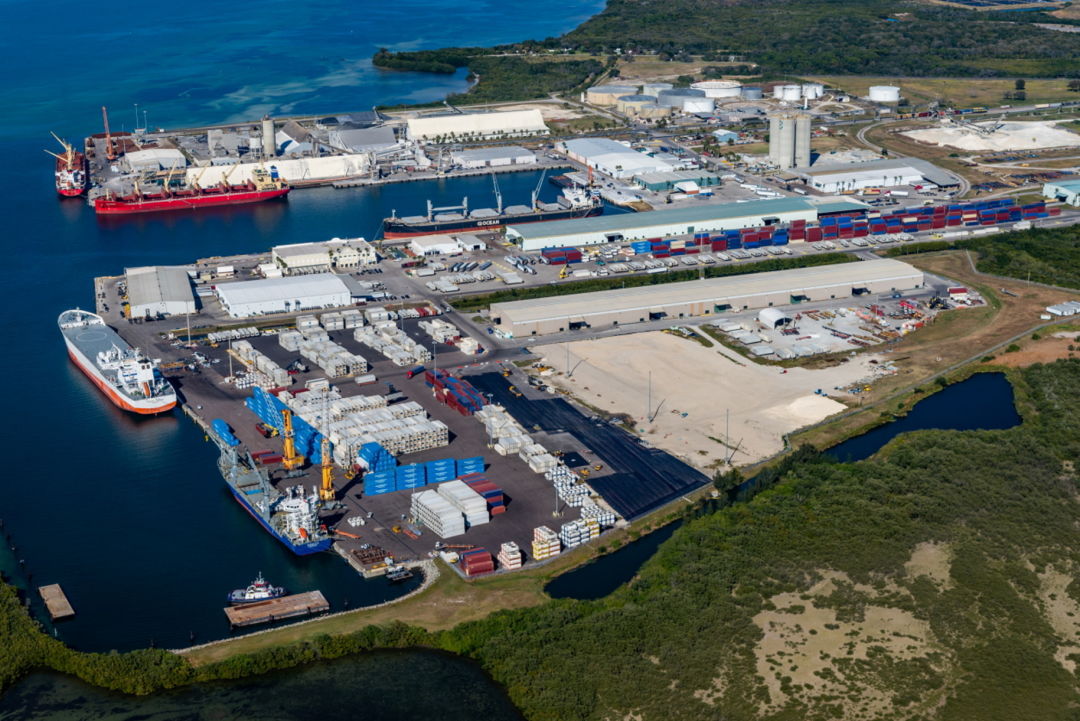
(263, 186)
(70, 171)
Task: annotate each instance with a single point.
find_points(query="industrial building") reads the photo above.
(611, 157)
(1067, 191)
(445, 244)
(306, 258)
(154, 159)
(363, 140)
(611, 308)
(159, 289)
(662, 182)
(492, 157)
(678, 221)
(249, 298)
(888, 173)
(477, 126)
(789, 138)
(723, 135)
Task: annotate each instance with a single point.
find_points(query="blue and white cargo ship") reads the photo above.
(291, 517)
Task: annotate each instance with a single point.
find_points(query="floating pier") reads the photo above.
(56, 602)
(299, 604)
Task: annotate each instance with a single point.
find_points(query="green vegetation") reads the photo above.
(476, 302)
(773, 37)
(1049, 256)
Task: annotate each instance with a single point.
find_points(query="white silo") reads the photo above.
(802, 140)
(269, 145)
(790, 92)
(674, 98)
(812, 91)
(884, 94)
(694, 106)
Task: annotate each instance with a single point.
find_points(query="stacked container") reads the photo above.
(433, 511)
(385, 338)
(440, 331)
(457, 393)
(470, 465)
(332, 321)
(373, 457)
(545, 543)
(378, 482)
(470, 503)
(510, 556)
(409, 477)
(476, 562)
(492, 494)
(577, 532)
(562, 256)
(306, 322)
(352, 318)
(441, 470)
(605, 518)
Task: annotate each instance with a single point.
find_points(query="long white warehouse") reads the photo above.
(612, 158)
(624, 306)
(248, 298)
(679, 221)
(478, 126)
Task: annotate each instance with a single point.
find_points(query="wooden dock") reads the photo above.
(299, 604)
(56, 602)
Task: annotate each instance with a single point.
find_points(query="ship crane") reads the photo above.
(69, 152)
(326, 492)
(292, 460)
(110, 153)
(536, 191)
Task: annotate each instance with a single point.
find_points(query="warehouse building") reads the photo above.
(477, 126)
(159, 289)
(889, 173)
(363, 140)
(1067, 191)
(335, 254)
(625, 306)
(154, 159)
(249, 298)
(662, 182)
(663, 223)
(493, 157)
(611, 157)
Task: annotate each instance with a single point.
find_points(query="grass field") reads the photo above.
(961, 92)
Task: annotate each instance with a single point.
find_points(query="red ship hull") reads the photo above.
(106, 206)
(71, 175)
(118, 400)
(70, 192)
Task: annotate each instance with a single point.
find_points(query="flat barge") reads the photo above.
(277, 609)
(56, 601)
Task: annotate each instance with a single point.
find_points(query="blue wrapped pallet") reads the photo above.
(221, 428)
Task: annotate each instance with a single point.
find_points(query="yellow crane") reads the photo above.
(292, 460)
(326, 493)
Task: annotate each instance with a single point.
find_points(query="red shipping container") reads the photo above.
(497, 510)
(861, 232)
(1054, 211)
(268, 459)
(719, 245)
(938, 223)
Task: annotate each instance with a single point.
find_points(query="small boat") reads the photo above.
(259, 590)
(394, 574)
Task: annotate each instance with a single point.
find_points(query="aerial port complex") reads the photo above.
(364, 401)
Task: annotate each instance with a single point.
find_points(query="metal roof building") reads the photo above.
(156, 289)
(463, 126)
(610, 308)
(493, 157)
(283, 295)
(1067, 191)
(837, 177)
(612, 158)
(657, 223)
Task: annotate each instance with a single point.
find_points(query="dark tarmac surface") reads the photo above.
(642, 478)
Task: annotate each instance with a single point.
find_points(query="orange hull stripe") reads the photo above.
(115, 397)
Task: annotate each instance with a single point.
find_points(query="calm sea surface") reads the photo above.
(129, 514)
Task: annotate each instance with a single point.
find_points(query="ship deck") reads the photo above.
(299, 604)
(94, 339)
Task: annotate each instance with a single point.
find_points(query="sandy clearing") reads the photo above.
(1010, 136)
(613, 374)
(802, 643)
(1063, 614)
(1046, 350)
(933, 560)
(551, 111)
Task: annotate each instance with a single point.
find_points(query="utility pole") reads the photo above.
(648, 408)
(187, 317)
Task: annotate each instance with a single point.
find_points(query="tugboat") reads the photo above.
(396, 574)
(259, 590)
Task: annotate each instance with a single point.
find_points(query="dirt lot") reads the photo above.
(955, 337)
(963, 92)
(1044, 350)
(704, 384)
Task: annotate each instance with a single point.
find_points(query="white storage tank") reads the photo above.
(698, 105)
(790, 92)
(884, 94)
(632, 104)
(608, 94)
(719, 88)
(813, 91)
(674, 98)
(655, 89)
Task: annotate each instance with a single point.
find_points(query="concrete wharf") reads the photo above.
(56, 602)
(298, 604)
